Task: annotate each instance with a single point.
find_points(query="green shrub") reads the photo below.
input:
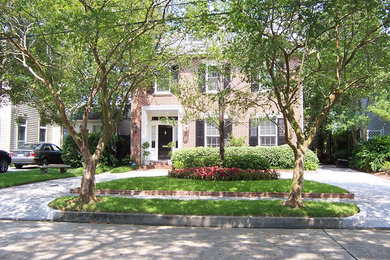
(246, 161)
(386, 166)
(371, 155)
(281, 157)
(342, 154)
(72, 156)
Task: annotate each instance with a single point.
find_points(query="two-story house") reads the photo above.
(151, 108)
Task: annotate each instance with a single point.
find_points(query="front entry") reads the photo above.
(164, 137)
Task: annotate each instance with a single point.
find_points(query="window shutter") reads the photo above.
(254, 87)
(228, 128)
(199, 133)
(175, 73)
(226, 77)
(253, 134)
(150, 89)
(202, 77)
(281, 135)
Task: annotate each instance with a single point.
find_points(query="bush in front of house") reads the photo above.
(280, 157)
(372, 154)
(72, 156)
(223, 174)
(246, 161)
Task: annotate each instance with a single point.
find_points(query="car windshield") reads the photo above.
(30, 146)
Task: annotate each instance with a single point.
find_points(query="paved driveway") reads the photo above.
(372, 194)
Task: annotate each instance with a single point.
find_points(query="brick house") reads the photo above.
(151, 107)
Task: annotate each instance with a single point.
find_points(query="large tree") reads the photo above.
(83, 55)
(293, 47)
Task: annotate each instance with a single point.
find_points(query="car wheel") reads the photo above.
(45, 161)
(3, 165)
(18, 166)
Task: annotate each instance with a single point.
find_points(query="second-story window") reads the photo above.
(209, 78)
(213, 78)
(166, 80)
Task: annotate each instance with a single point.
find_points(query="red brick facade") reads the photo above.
(147, 108)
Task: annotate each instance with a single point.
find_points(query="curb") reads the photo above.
(218, 194)
(199, 221)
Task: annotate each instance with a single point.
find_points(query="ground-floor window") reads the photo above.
(267, 133)
(42, 133)
(22, 126)
(212, 135)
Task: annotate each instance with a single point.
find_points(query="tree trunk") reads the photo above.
(294, 199)
(87, 190)
(221, 119)
(222, 141)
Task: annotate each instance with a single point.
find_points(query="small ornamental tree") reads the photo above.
(76, 56)
(292, 47)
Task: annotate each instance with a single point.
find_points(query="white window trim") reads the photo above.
(171, 82)
(206, 135)
(275, 135)
(160, 92)
(206, 87)
(25, 132)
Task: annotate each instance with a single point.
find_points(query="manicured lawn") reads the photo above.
(124, 169)
(10, 179)
(165, 183)
(209, 207)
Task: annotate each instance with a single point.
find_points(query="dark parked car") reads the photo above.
(5, 160)
(41, 154)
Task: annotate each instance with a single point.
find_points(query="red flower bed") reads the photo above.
(223, 174)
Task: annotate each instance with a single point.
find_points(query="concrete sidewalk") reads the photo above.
(372, 194)
(55, 240)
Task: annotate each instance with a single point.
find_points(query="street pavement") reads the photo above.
(372, 195)
(59, 240)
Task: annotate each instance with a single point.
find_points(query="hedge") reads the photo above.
(223, 174)
(279, 157)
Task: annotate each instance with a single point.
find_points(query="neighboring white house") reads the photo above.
(377, 127)
(21, 124)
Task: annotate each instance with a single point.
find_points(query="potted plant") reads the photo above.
(146, 153)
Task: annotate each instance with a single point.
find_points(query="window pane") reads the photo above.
(212, 142)
(267, 133)
(211, 130)
(267, 140)
(212, 78)
(166, 78)
(42, 135)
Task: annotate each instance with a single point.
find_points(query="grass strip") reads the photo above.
(126, 168)
(270, 208)
(165, 183)
(10, 179)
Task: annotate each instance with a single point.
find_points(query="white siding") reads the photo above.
(5, 127)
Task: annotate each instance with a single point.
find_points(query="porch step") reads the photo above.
(157, 165)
